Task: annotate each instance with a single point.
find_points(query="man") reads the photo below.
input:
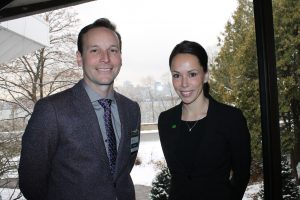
(81, 144)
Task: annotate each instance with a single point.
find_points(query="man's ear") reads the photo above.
(79, 59)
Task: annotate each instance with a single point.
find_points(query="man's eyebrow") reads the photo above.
(92, 46)
(116, 46)
(97, 46)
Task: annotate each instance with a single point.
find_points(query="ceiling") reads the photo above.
(12, 9)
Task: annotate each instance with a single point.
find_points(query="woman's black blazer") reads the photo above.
(221, 168)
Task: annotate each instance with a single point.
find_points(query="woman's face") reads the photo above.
(188, 77)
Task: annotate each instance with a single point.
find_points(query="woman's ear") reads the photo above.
(206, 77)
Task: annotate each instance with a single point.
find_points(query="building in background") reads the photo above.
(21, 36)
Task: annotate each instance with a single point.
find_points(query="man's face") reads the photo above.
(101, 57)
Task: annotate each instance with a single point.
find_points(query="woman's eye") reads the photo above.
(193, 74)
(175, 75)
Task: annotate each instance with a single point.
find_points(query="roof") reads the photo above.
(18, 38)
(12, 9)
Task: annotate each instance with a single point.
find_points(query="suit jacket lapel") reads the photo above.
(174, 132)
(124, 148)
(84, 106)
(211, 122)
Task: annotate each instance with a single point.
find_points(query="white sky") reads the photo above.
(151, 28)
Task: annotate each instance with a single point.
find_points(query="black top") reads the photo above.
(189, 142)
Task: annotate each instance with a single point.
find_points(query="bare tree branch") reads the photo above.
(46, 71)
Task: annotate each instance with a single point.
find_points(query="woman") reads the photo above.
(206, 144)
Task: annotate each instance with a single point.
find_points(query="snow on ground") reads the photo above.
(8, 194)
(251, 191)
(149, 154)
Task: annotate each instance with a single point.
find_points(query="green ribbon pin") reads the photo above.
(173, 126)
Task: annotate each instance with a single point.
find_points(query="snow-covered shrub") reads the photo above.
(161, 185)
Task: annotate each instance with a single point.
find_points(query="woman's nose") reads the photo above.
(184, 81)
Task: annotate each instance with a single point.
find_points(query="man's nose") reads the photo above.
(104, 56)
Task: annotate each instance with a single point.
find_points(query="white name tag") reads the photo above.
(134, 144)
(134, 139)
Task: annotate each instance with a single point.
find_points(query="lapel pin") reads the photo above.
(173, 126)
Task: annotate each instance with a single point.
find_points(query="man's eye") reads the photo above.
(113, 50)
(94, 50)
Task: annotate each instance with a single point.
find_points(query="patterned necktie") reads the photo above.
(111, 138)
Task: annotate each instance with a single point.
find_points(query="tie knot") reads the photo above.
(105, 103)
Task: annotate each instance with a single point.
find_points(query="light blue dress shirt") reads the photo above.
(94, 97)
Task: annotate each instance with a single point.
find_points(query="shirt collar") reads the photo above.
(94, 96)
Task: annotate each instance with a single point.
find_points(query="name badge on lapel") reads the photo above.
(135, 138)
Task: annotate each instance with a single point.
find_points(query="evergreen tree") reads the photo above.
(234, 74)
(161, 185)
(287, 43)
(290, 190)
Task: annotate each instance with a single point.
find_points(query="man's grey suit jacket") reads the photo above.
(63, 155)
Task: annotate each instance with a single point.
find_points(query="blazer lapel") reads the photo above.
(174, 128)
(123, 150)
